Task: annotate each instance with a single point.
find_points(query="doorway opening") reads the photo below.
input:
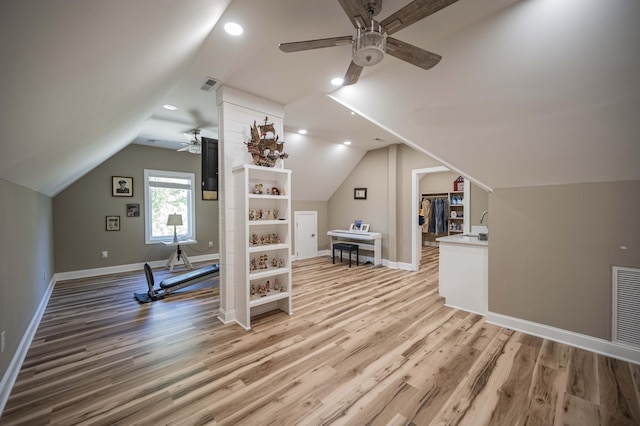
(416, 243)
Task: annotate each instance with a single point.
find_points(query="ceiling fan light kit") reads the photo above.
(369, 46)
(193, 146)
(371, 42)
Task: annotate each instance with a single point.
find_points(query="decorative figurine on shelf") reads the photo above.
(276, 213)
(269, 215)
(268, 286)
(254, 240)
(252, 292)
(252, 215)
(275, 191)
(261, 215)
(252, 265)
(257, 188)
(280, 263)
(262, 291)
(274, 262)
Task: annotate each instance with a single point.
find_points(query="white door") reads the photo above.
(306, 234)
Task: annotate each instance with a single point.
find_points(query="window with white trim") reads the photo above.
(168, 193)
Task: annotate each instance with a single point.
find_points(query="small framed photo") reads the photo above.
(358, 226)
(121, 186)
(133, 210)
(360, 193)
(113, 223)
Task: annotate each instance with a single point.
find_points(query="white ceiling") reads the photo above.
(529, 92)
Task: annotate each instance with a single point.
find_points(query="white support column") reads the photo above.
(237, 111)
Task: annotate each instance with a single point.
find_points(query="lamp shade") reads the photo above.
(174, 220)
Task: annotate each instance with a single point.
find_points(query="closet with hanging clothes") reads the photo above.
(434, 216)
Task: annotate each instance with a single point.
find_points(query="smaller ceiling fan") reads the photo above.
(194, 142)
(372, 40)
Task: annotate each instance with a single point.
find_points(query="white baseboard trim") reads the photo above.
(484, 314)
(86, 273)
(389, 264)
(227, 317)
(593, 344)
(10, 376)
(405, 266)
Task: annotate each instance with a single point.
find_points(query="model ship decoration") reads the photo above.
(264, 146)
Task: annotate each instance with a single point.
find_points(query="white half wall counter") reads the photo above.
(464, 272)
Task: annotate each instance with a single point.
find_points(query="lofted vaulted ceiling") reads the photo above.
(530, 92)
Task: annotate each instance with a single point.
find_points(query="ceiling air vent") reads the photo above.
(208, 85)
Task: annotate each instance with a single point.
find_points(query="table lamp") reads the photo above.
(174, 220)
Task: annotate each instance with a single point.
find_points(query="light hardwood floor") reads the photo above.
(363, 346)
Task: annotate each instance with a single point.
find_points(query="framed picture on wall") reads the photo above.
(133, 210)
(121, 186)
(360, 193)
(113, 223)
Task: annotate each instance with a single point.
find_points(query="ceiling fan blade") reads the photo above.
(298, 46)
(356, 12)
(412, 54)
(186, 148)
(353, 74)
(412, 13)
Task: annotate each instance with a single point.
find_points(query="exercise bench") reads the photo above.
(346, 247)
(169, 285)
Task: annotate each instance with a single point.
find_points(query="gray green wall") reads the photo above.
(552, 248)
(79, 213)
(26, 263)
(371, 173)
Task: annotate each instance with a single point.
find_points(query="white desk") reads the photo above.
(177, 254)
(371, 241)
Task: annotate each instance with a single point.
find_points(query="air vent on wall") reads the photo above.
(626, 305)
(208, 85)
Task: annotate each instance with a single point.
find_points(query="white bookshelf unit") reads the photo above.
(262, 241)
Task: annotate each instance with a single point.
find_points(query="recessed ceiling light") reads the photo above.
(302, 131)
(233, 28)
(337, 81)
(347, 142)
(170, 107)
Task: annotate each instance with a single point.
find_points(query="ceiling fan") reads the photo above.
(372, 40)
(194, 142)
